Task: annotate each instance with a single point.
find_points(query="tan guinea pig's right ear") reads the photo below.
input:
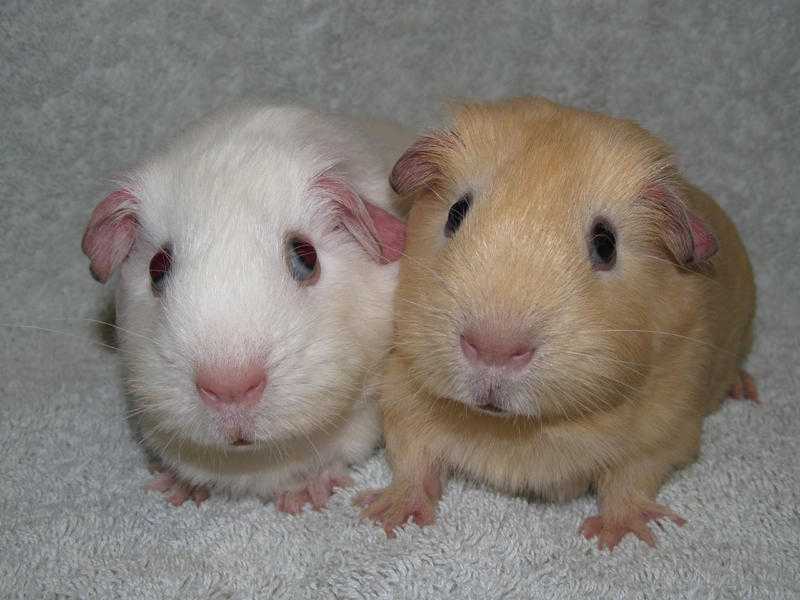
(422, 164)
(690, 240)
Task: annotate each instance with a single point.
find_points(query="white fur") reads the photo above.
(225, 196)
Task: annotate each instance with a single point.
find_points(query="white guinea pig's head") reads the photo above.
(255, 284)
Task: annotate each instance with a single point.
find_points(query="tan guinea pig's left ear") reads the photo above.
(690, 240)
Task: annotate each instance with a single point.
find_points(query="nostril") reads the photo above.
(256, 389)
(521, 358)
(206, 391)
(468, 348)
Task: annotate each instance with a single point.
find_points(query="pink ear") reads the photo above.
(686, 235)
(110, 233)
(380, 233)
(391, 232)
(421, 164)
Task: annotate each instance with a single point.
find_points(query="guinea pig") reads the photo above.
(564, 319)
(257, 260)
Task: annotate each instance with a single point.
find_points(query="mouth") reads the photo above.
(489, 404)
(237, 434)
(491, 409)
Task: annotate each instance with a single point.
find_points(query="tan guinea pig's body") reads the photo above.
(563, 318)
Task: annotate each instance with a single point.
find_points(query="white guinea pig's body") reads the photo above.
(257, 267)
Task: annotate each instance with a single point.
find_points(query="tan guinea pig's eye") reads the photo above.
(457, 213)
(602, 246)
(302, 261)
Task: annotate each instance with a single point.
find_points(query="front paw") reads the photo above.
(174, 489)
(393, 506)
(316, 491)
(609, 531)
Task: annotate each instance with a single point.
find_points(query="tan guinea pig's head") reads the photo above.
(537, 244)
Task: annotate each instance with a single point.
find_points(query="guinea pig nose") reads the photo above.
(219, 387)
(496, 349)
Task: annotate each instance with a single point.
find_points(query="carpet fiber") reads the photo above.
(90, 87)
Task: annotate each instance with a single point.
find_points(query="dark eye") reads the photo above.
(603, 246)
(302, 260)
(159, 267)
(457, 213)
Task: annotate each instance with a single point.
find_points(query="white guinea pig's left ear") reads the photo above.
(380, 233)
(690, 240)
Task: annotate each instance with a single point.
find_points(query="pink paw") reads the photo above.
(609, 532)
(744, 388)
(316, 492)
(177, 492)
(393, 506)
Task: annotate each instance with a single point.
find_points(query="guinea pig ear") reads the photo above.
(690, 240)
(422, 164)
(110, 234)
(380, 233)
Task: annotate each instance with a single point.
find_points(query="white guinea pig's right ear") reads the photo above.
(423, 163)
(110, 234)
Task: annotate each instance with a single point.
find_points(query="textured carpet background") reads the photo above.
(89, 87)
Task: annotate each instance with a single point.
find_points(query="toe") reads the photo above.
(609, 538)
(655, 511)
(319, 492)
(424, 515)
(199, 495)
(299, 501)
(163, 482)
(292, 503)
(341, 481)
(642, 531)
(367, 497)
(178, 496)
(749, 385)
(591, 527)
(376, 510)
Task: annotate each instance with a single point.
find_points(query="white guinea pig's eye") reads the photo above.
(159, 267)
(301, 258)
(602, 246)
(457, 213)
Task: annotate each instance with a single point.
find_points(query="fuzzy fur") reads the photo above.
(225, 197)
(627, 361)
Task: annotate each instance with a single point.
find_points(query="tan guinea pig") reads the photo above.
(563, 321)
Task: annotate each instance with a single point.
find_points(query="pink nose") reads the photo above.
(219, 387)
(496, 349)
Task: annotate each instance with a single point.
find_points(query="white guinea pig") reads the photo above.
(257, 259)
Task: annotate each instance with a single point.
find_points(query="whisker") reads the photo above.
(64, 333)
